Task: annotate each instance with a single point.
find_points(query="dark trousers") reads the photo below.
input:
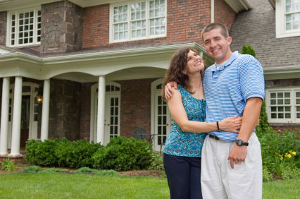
(183, 175)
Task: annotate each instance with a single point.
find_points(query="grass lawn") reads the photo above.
(24, 185)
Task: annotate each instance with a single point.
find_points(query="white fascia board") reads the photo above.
(272, 3)
(9, 5)
(114, 54)
(287, 72)
(89, 3)
(238, 5)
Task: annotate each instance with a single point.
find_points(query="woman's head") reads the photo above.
(178, 69)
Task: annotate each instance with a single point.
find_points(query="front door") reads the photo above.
(112, 116)
(25, 116)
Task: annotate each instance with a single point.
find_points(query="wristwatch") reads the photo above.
(241, 143)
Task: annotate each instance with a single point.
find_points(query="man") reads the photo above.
(231, 164)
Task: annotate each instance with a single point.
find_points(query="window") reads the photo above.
(138, 20)
(287, 18)
(283, 105)
(24, 27)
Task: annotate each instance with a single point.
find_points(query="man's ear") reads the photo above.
(229, 40)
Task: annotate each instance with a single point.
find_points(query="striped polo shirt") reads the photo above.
(228, 88)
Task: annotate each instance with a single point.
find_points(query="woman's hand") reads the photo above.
(231, 124)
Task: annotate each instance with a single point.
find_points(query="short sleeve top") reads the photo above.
(187, 144)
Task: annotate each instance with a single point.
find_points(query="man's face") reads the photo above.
(217, 46)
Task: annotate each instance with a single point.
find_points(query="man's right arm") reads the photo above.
(169, 90)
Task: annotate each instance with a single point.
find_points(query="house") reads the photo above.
(272, 28)
(88, 69)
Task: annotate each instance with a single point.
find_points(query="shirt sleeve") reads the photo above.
(251, 78)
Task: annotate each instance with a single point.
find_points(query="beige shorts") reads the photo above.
(220, 181)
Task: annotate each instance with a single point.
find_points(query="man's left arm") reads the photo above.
(250, 117)
(252, 89)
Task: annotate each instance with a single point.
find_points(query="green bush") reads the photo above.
(42, 153)
(75, 154)
(53, 170)
(267, 175)
(32, 169)
(61, 152)
(8, 165)
(122, 154)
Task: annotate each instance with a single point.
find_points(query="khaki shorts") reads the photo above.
(220, 181)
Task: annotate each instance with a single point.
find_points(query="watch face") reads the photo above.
(239, 142)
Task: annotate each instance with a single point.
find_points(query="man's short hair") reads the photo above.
(212, 26)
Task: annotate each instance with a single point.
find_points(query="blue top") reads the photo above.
(187, 144)
(228, 88)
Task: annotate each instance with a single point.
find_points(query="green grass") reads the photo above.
(25, 185)
(56, 186)
(282, 189)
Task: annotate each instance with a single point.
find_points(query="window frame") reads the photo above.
(281, 31)
(292, 91)
(148, 36)
(35, 27)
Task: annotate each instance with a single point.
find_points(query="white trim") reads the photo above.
(238, 5)
(148, 36)
(212, 12)
(292, 91)
(280, 22)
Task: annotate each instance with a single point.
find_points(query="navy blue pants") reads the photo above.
(183, 175)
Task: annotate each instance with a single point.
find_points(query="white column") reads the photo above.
(16, 125)
(101, 109)
(4, 116)
(45, 110)
(212, 11)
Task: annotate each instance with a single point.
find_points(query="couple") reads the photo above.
(229, 159)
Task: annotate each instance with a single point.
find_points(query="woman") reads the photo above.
(187, 106)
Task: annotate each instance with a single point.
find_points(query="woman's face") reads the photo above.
(194, 63)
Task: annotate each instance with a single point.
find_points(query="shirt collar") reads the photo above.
(233, 57)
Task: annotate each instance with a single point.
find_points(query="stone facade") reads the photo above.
(64, 115)
(3, 25)
(61, 27)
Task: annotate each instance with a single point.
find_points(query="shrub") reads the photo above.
(8, 165)
(267, 175)
(53, 170)
(124, 154)
(42, 153)
(32, 169)
(75, 154)
(86, 170)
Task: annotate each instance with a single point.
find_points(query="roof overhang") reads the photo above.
(8, 5)
(286, 72)
(153, 59)
(238, 5)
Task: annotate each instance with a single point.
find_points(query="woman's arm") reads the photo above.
(178, 113)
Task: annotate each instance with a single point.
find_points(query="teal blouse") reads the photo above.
(187, 144)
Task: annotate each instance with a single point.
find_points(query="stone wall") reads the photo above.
(61, 27)
(64, 115)
(3, 25)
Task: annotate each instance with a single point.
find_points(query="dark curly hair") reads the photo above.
(175, 71)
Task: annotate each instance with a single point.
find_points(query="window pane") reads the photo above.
(273, 109)
(273, 115)
(280, 108)
(287, 109)
(287, 115)
(287, 101)
(297, 94)
(273, 95)
(279, 101)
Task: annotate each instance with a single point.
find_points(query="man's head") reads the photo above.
(217, 42)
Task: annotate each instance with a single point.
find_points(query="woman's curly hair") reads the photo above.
(175, 71)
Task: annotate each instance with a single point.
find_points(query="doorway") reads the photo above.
(25, 119)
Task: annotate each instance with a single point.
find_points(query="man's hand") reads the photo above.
(169, 90)
(237, 154)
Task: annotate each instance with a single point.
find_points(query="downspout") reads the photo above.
(212, 11)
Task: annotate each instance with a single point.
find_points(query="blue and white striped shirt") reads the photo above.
(228, 88)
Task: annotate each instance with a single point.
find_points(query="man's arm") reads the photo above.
(250, 118)
(169, 90)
